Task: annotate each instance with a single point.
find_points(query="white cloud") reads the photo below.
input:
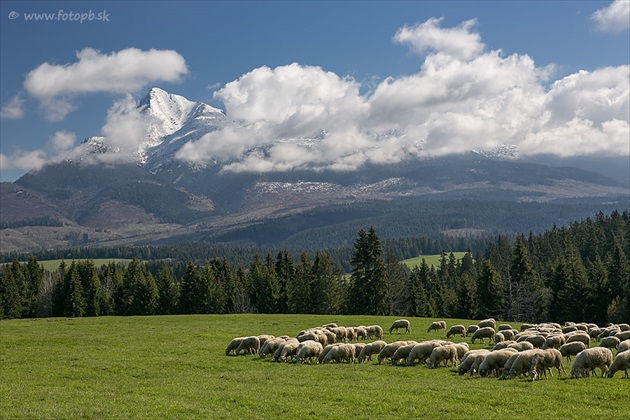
(458, 42)
(23, 160)
(128, 70)
(62, 141)
(613, 18)
(13, 109)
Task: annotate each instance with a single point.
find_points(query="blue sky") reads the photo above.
(356, 55)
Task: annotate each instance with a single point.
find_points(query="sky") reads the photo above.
(384, 80)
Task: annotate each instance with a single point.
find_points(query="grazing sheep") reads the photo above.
(594, 333)
(579, 336)
(610, 342)
(308, 350)
(400, 323)
(233, 345)
(490, 322)
(375, 331)
(522, 346)
(401, 353)
(476, 362)
(437, 325)
(250, 344)
(537, 340)
(471, 329)
(523, 362)
(483, 332)
(499, 337)
(339, 354)
(608, 331)
(307, 335)
(263, 338)
(358, 347)
(589, 359)
(462, 349)
(388, 351)
(509, 334)
(568, 329)
(340, 333)
(442, 354)
(504, 327)
(624, 335)
(494, 361)
(421, 352)
(469, 358)
(286, 350)
(351, 334)
(331, 325)
(554, 341)
(503, 345)
(370, 349)
(621, 362)
(571, 349)
(623, 346)
(527, 327)
(324, 352)
(456, 329)
(624, 327)
(270, 347)
(508, 365)
(543, 362)
(362, 333)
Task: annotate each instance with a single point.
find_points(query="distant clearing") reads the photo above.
(53, 265)
(432, 260)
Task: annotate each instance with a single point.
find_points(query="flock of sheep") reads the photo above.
(533, 351)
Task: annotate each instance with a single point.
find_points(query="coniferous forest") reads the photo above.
(579, 272)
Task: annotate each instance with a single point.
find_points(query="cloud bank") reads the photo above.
(615, 18)
(463, 97)
(129, 70)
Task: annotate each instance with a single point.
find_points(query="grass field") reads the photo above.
(52, 265)
(432, 260)
(175, 367)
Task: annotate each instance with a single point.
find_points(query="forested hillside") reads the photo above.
(575, 273)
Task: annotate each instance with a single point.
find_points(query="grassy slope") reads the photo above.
(175, 366)
(432, 260)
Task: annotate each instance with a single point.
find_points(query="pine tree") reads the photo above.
(34, 276)
(524, 287)
(74, 301)
(10, 297)
(285, 270)
(191, 291)
(92, 290)
(299, 287)
(490, 292)
(327, 287)
(397, 282)
(168, 292)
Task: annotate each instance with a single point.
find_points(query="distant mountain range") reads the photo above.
(154, 198)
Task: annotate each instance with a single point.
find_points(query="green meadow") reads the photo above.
(175, 367)
(52, 265)
(432, 260)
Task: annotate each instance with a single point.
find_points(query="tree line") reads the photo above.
(576, 273)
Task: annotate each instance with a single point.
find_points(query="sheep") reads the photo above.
(568, 329)
(325, 351)
(571, 349)
(421, 352)
(370, 349)
(610, 342)
(375, 331)
(508, 334)
(263, 338)
(308, 350)
(548, 359)
(233, 345)
(351, 334)
(594, 333)
(442, 354)
(589, 359)
(624, 335)
(508, 365)
(388, 351)
(461, 348)
(522, 346)
(554, 341)
(476, 362)
(580, 336)
(358, 347)
(340, 333)
(499, 337)
(361, 331)
(249, 344)
(490, 322)
(621, 362)
(494, 361)
(401, 353)
(624, 327)
(623, 346)
(340, 353)
(469, 358)
(331, 325)
(270, 347)
(525, 327)
(481, 333)
(400, 323)
(607, 331)
(456, 329)
(504, 327)
(523, 362)
(437, 325)
(471, 330)
(286, 350)
(537, 340)
(503, 345)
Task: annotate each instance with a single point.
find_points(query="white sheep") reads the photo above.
(371, 348)
(400, 323)
(331, 325)
(554, 341)
(437, 325)
(494, 361)
(522, 346)
(623, 335)
(263, 338)
(249, 344)
(504, 327)
(571, 349)
(361, 331)
(270, 347)
(483, 332)
(499, 337)
(610, 342)
(462, 349)
(537, 340)
(421, 352)
(588, 360)
(375, 331)
(388, 351)
(579, 336)
(442, 354)
(358, 348)
(490, 322)
(508, 334)
(543, 362)
(308, 350)
(523, 362)
(286, 350)
(471, 329)
(621, 362)
(325, 351)
(456, 329)
(469, 358)
(623, 346)
(502, 345)
(401, 353)
(339, 354)
(233, 345)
